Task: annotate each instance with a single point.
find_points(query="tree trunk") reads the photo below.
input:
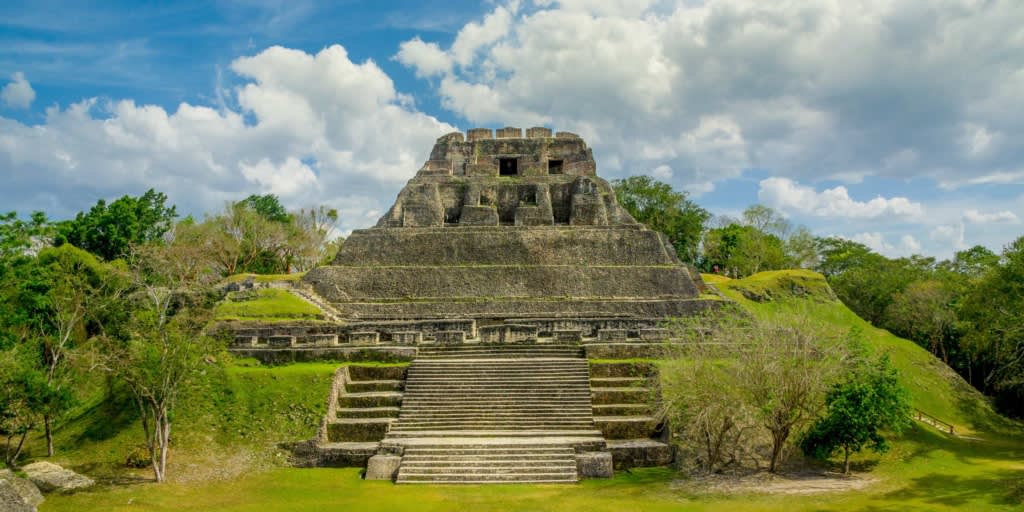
(846, 460)
(778, 439)
(49, 435)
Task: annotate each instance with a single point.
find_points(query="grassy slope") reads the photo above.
(266, 305)
(926, 470)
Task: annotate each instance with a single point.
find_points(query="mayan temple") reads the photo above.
(504, 266)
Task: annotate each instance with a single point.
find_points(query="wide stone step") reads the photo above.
(494, 416)
(564, 467)
(476, 479)
(445, 459)
(368, 412)
(518, 433)
(502, 425)
(468, 448)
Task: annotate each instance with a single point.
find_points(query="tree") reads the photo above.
(924, 312)
(801, 249)
(870, 400)
(993, 316)
(742, 250)
(734, 374)
(267, 206)
(163, 346)
(25, 397)
(665, 210)
(109, 231)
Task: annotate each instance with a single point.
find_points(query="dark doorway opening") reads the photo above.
(554, 167)
(508, 166)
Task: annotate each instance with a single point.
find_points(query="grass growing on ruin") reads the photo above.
(266, 305)
(264, 278)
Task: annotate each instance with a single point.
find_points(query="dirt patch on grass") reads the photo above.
(802, 483)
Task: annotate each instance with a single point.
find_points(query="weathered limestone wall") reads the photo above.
(482, 282)
(632, 245)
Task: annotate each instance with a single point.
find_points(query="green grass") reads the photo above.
(265, 305)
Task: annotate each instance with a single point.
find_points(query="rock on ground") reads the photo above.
(18, 494)
(50, 477)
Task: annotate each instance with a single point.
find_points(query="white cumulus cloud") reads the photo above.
(788, 195)
(976, 217)
(18, 93)
(312, 128)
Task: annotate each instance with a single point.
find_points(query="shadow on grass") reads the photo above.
(995, 488)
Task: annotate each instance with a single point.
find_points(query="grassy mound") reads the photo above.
(935, 388)
(265, 305)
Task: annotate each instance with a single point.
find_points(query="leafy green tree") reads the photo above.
(858, 409)
(267, 206)
(109, 231)
(25, 398)
(666, 210)
(924, 312)
(742, 250)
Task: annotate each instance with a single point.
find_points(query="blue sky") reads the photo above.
(896, 124)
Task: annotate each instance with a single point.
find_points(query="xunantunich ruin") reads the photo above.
(504, 265)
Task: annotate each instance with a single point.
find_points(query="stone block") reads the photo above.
(407, 337)
(639, 453)
(533, 216)
(594, 464)
(357, 372)
(451, 137)
(566, 135)
(538, 132)
(358, 430)
(567, 335)
(280, 341)
(450, 337)
(509, 132)
(611, 335)
(654, 334)
(383, 467)
(481, 169)
(420, 216)
(364, 337)
(317, 340)
(244, 341)
(479, 216)
(479, 134)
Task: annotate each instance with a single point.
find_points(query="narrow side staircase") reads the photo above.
(512, 413)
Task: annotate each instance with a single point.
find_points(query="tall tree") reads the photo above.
(164, 345)
(109, 231)
(666, 210)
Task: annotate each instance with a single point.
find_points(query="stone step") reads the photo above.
(498, 433)
(496, 458)
(503, 425)
(368, 412)
(633, 395)
(562, 466)
(470, 449)
(617, 382)
(370, 399)
(363, 386)
(621, 409)
(358, 429)
(475, 479)
(511, 415)
(626, 427)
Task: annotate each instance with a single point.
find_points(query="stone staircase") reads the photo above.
(491, 414)
(329, 311)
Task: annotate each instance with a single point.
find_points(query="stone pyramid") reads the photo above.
(506, 229)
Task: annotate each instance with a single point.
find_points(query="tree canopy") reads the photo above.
(666, 210)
